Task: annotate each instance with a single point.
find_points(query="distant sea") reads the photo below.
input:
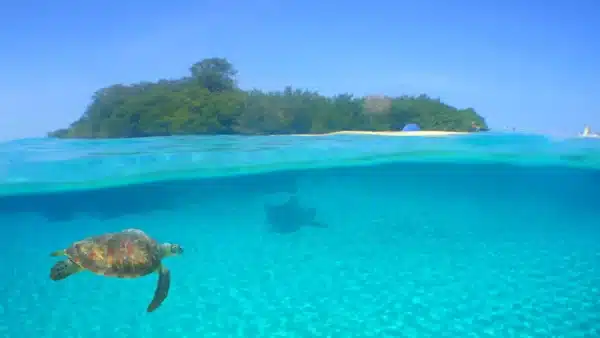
(477, 235)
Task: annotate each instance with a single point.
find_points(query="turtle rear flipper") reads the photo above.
(162, 288)
(63, 269)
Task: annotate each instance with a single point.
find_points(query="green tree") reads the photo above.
(209, 102)
(214, 74)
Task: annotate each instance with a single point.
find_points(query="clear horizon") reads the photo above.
(531, 65)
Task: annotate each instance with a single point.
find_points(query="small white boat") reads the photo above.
(587, 132)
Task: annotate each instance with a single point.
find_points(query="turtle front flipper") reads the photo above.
(162, 288)
(63, 269)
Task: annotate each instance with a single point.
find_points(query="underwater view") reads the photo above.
(479, 235)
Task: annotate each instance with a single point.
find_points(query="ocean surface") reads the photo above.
(483, 235)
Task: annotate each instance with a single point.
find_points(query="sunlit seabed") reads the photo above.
(474, 236)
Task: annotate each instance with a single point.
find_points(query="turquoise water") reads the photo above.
(469, 236)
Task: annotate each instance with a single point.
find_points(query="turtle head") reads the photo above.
(170, 249)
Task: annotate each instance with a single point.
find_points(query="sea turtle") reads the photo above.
(130, 253)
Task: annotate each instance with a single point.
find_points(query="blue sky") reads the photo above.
(530, 64)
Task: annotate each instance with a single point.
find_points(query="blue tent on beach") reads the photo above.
(411, 127)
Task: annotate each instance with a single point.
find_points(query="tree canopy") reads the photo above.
(209, 101)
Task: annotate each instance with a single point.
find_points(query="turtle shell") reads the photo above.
(127, 254)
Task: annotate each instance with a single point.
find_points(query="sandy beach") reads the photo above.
(426, 133)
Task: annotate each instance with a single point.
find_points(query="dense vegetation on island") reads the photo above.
(208, 101)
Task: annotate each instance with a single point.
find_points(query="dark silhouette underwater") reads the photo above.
(289, 217)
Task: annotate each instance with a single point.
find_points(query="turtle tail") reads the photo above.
(63, 269)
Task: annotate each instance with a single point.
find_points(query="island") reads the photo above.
(209, 102)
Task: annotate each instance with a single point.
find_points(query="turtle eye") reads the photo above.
(176, 249)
